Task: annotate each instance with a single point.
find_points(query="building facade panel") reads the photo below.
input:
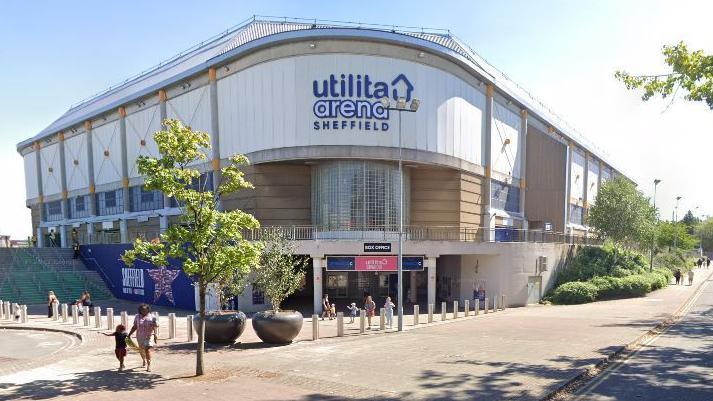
(593, 184)
(75, 162)
(192, 108)
(505, 142)
(577, 177)
(546, 180)
(140, 128)
(30, 163)
(106, 148)
(51, 173)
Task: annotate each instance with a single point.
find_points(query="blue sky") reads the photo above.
(53, 54)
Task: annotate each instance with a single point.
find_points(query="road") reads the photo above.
(677, 365)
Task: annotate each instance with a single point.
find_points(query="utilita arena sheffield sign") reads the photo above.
(352, 101)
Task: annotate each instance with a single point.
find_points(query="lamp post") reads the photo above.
(675, 223)
(400, 107)
(653, 245)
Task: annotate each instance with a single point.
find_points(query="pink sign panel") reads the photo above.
(376, 263)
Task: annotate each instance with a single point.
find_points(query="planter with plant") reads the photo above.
(279, 274)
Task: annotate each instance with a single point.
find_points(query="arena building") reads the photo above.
(496, 186)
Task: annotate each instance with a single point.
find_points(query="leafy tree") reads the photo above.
(280, 272)
(691, 71)
(669, 233)
(704, 231)
(623, 215)
(207, 241)
(690, 221)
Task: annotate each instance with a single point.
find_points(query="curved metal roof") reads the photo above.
(261, 31)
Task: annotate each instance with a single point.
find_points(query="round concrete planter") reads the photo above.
(221, 327)
(277, 328)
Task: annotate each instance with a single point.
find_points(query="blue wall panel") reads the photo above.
(142, 282)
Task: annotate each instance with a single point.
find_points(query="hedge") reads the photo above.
(574, 292)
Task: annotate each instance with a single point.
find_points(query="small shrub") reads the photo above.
(608, 287)
(636, 285)
(574, 292)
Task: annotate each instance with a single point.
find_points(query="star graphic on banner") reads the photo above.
(163, 278)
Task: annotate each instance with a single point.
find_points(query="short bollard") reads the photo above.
(315, 327)
(65, 313)
(171, 325)
(55, 311)
(382, 319)
(15, 311)
(340, 324)
(85, 315)
(125, 319)
(494, 301)
(466, 307)
(362, 321)
(189, 328)
(485, 306)
(8, 312)
(24, 314)
(75, 314)
(502, 302)
(98, 317)
(110, 318)
(455, 309)
(430, 313)
(444, 310)
(477, 307)
(157, 319)
(416, 315)
(2, 309)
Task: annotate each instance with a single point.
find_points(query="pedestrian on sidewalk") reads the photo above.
(120, 337)
(352, 312)
(677, 275)
(326, 307)
(699, 262)
(708, 262)
(389, 311)
(690, 277)
(333, 312)
(369, 306)
(145, 327)
(51, 299)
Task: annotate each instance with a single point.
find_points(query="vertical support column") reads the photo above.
(40, 238)
(317, 272)
(568, 192)
(163, 114)
(40, 191)
(416, 314)
(90, 175)
(123, 226)
(214, 128)
(413, 289)
(489, 221)
(523, 166)
(585, 194)
(430, 263)
(63, 184)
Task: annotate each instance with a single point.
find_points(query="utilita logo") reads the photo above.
(350, 101)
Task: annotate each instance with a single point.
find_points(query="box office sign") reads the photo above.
(386, 263)
(377, 247)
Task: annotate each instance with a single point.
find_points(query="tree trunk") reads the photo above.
(201, 329)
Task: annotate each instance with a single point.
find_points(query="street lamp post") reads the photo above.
(399, 107)
(675, 224)
(653, 245)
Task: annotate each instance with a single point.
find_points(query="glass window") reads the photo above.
(143, 199)
(205, 182)
(110, 202)
(576, 214)
(53, 211)
(505, 197)
(357, 195)
(79, 207)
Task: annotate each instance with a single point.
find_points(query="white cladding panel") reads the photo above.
(140, 128)
(271, 105)
(192, 108)
(577, 175)
(30, 161)
(51, 173)
(106, 146)
(75, 162)
(505, 143)
(606, 174)
(593, 185)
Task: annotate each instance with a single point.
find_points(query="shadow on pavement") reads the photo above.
(190, 348)
(103, 380)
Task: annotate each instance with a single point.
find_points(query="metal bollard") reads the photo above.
(416, 315)
(502, 302)
(340, 324)
(430, 313)
(157, 316)
(382, 319)
(65, 313)
(24, 313)
(8, 310)
(55, 311)
(75, 314)
(362, 321)
(2, 310)
(171, 325)
(466, 307)
(110, 318)
(125, 319)
(494, 306)
(455, 309)
(444, 310)
(98, 317)
(85, 315)
(485, 306)
(189, 328)
(14, 311)
(315, 327)
(477, 307)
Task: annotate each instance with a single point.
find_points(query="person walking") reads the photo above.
(708, 262)
(51, 299)
(690, 277)
(699, 262)
(120, 344)
(145, 327)
(389, 312)
(326, 307)
(370, 307)
(677, 275)
(352, 312)
(75, 248)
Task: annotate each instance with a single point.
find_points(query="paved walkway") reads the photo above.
(519, 353)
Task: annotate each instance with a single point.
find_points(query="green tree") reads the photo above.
(690, 221)
(623, 215)
(280, 272)
(207, 241)
(691, 71)
(669, 233)
(704, 231)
